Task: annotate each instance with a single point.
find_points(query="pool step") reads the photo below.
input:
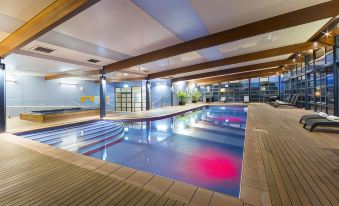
(54, 139)
(94, 134)
(75, 147)
(59, 128)
(67, 131)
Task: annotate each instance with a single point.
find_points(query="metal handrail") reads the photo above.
(162, 101)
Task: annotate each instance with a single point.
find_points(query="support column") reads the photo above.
(102, 96)
(336, 74)
(2, 98)
(148, 95)
(307, 79)
(172, 93)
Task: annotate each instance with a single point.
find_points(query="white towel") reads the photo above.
(322, 114)
(333, 118)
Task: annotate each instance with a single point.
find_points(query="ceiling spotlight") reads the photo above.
(125, 74)
(327, 34)
(299, 55)
(294, 59)
(269, 37)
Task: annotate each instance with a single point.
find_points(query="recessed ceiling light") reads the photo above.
(269, 37)
(125, 74)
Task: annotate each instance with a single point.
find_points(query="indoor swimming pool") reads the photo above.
(203, 147)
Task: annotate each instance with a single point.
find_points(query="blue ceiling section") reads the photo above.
(181, 19)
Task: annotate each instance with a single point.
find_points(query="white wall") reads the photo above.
(35, 91)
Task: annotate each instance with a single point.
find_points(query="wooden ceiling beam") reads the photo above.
(250, 68)
(268, 72)
(53, 15)
(283, 21)
(239, 59)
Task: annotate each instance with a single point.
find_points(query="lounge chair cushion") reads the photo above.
(333, 118)
(322, 114)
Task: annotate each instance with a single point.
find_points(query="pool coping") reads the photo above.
(175, 189)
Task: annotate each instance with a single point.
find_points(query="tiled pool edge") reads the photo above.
(177, 190)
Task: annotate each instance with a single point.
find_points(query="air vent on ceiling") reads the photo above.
(44, 49)
(93, 60)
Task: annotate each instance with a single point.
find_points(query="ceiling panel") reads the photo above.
(66, 53)
(235, 65)
(24, 10)
(220, 15)
(119, 25)
(284, 37)
(26, 63)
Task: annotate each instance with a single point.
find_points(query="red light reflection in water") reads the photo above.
(211, 167)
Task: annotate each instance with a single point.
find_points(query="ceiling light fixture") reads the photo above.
(67, 83)
(269, 37)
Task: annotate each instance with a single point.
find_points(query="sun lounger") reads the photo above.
(320, 115)
(277, 101)
(330, 121)
(293, 102)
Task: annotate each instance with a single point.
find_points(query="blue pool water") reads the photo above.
(202, 147)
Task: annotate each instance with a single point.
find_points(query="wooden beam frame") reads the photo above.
(239, 59)
(53, 15)
(294, 18)
(249, 68)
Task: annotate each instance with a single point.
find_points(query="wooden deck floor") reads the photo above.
(31, 178)
(301, 168)
(283, 164)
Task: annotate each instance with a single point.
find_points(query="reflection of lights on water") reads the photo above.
(126, 129)
(139, 140)
(245, 109)
(160, 139)
(162, 127)
(82, 132)
(226, 120)
(223, 108)
(192, 120)
(104, 156)
(126, 138)
(181, 126)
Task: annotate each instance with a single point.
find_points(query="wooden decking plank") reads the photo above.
(294, 179)
(110, 197)
(123, 195)
(162, 201)
(308, 169)
(43, 188)
(107, 192)
(67, 186)
(284, 196)
(30, 180)
(144, 200)
(133, 195)
(274, 194)
(67, 199)
(152, 201)
(288, 143)
(138, 197)
(292, 193)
